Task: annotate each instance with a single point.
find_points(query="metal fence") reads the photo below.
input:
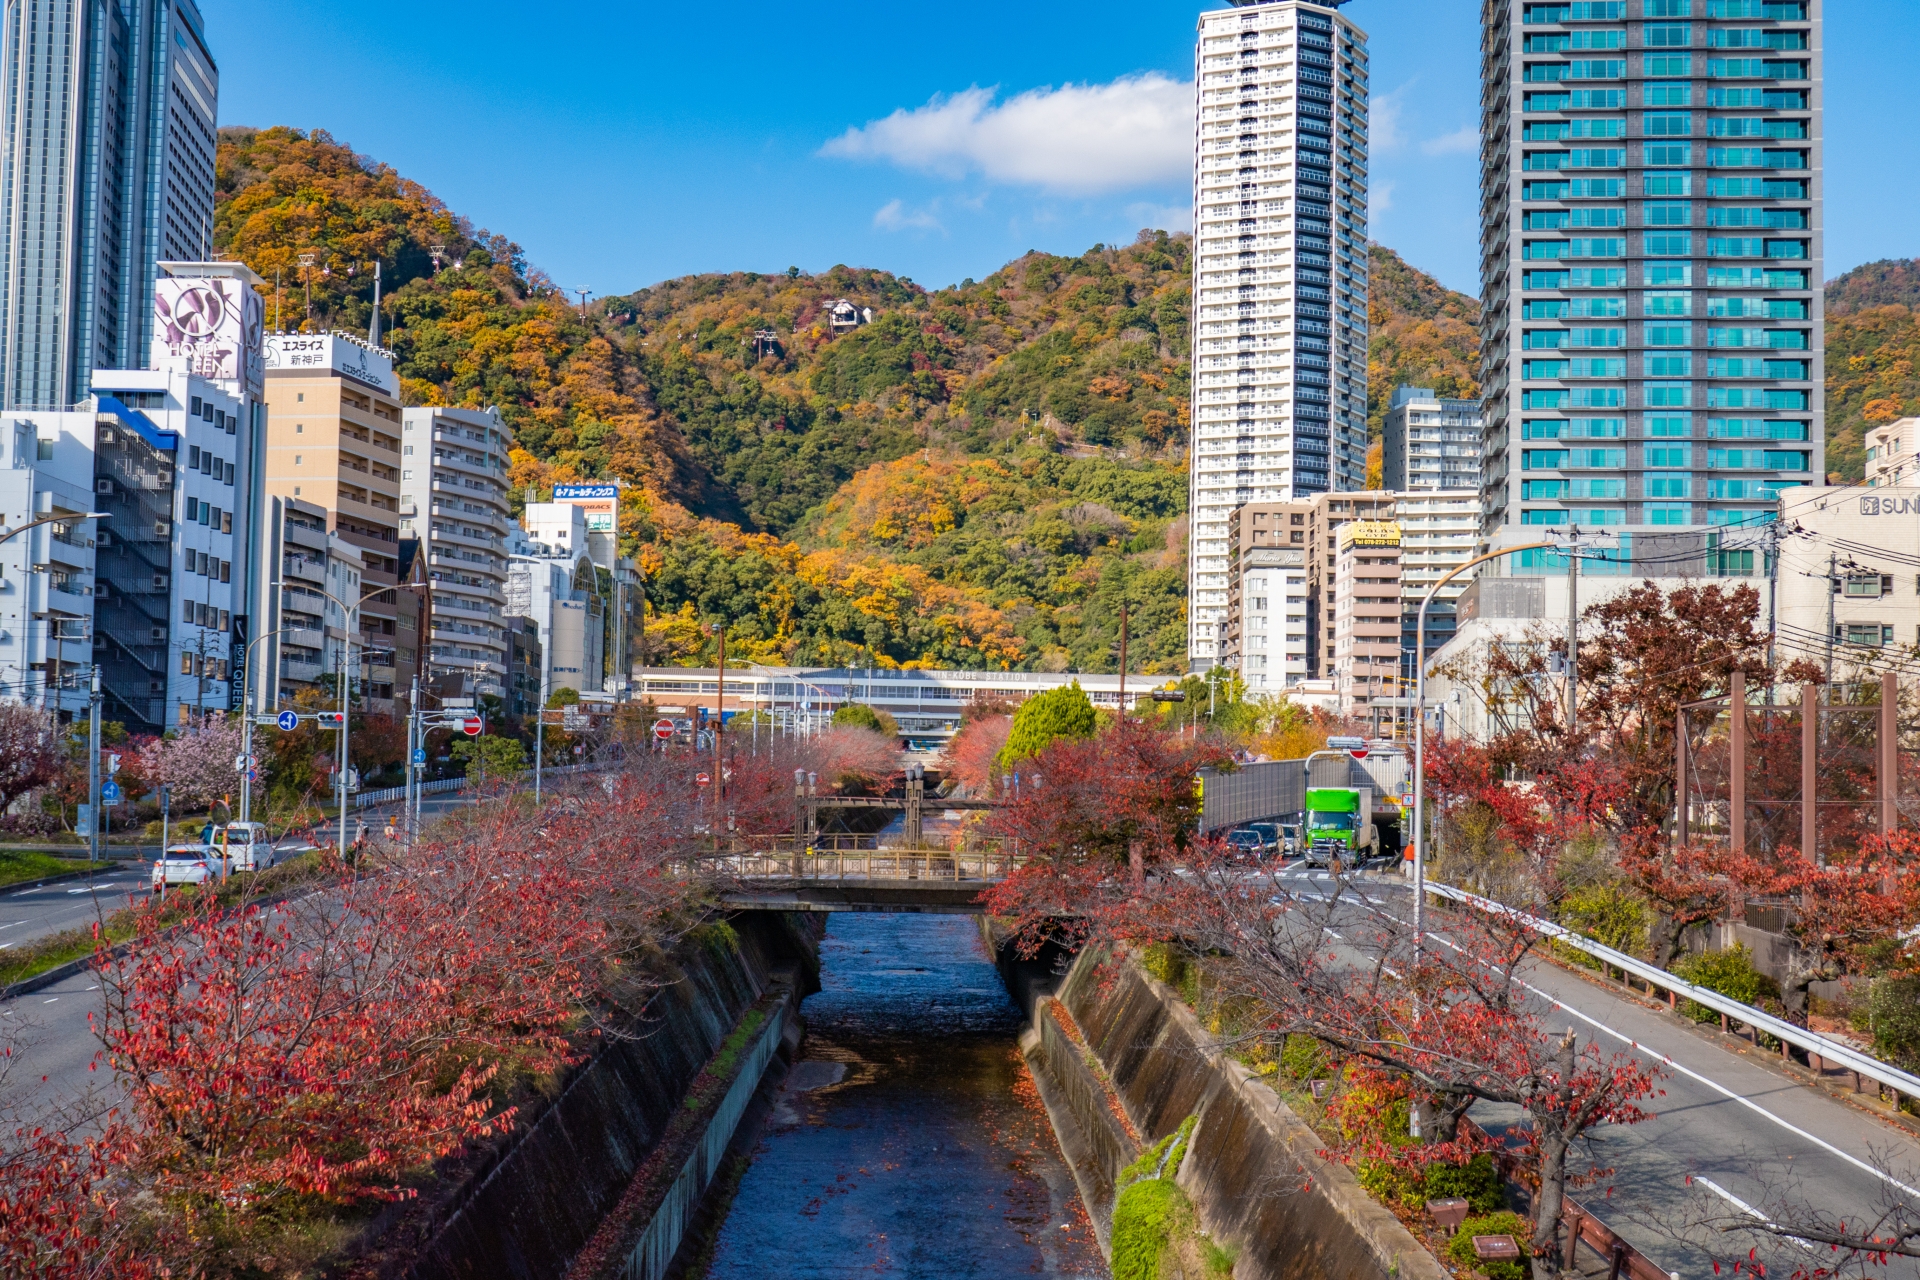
(1832, 1052)
(387, 795)
(653, 1252)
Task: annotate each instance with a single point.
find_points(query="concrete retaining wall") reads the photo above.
(1253, 1171)
(522, 1210)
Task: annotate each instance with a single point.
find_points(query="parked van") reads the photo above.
(245, 846)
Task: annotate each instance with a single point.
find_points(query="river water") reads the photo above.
(909, 1140)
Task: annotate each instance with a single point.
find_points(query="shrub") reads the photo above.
(1156, 1232)
(1608, 913)
(1303, 1058)
(1477, 1182)
(858, 716)
(1460, 1248)
(1893, 1017)
(1729, 972)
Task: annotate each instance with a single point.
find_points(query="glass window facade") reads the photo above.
(1712, 239)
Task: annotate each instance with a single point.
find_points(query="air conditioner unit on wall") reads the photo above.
(103, 486)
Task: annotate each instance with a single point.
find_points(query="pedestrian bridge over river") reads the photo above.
(835, 873)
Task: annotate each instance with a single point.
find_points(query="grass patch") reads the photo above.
(22, 864)
(1156, 1233)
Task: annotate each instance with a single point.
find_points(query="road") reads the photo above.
(1724, 1116)
(29, 914)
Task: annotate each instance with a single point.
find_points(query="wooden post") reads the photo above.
(1737, 795)
(1887, 781)
(1809, 771)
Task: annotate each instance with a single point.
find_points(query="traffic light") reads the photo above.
(331, 719)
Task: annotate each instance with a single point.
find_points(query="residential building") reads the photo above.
(1849, 578)
(1327, 514)
(333, 439)
(552, 580)
(1651, 264)
(526, 667)
(1890, 456)
(106, 170)
(308, 551)
(1363, 605)
(47, 573)
(1439, 531)
(1430, 443)
(1280, 276)
(171, 453)
(201, 390)
(1267, 603)
(454, 499)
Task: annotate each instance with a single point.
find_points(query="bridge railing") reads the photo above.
(951, 866)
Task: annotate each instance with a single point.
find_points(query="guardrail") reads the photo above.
(1829, 1051)
(786, 841)
(964, 867)
(387, 795)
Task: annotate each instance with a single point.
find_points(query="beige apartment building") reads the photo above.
(1890, 453)
(1326, 516)
(333, 441)
(1363, 604)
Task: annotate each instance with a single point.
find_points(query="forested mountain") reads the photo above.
(1873, 343)
(980, 476)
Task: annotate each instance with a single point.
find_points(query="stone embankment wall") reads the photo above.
(1253, 1170)
(526, 1207)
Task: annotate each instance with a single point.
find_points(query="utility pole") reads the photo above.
(1573, 629)
(306, 275)
(584, 295)
(1833, 586)
(93, 771)
(413, 744)
(340, 670)
(1123, 660)
(719, 723)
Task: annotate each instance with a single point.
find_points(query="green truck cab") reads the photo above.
(1335, 827)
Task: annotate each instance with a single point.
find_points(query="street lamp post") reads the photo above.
(1420, 729)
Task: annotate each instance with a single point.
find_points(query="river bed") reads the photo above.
(908, 1140)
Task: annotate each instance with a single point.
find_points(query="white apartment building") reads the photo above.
(1430, 443)
(1890, 455)
(551, 580)
(1280, 275)
(453, 487)
(1439, 532)
(47, 573)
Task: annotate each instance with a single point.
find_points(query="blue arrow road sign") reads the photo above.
(289, 720)
(109, 793)
(419, 755)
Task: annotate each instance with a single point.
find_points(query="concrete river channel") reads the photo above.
(908, 1139)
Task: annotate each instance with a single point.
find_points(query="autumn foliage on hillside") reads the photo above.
(1420, 333)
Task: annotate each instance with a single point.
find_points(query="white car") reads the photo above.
(247, 846)
(194, 864)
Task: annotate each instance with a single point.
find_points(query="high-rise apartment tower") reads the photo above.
(1280, 275)
(1650, 264)
(108, 113)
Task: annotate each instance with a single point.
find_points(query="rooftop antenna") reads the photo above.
(374, 334)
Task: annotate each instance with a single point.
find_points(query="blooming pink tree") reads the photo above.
(197, 763)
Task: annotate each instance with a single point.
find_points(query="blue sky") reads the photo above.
(623, 144)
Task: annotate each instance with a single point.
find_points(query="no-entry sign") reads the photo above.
(472, 726)
(663, 729)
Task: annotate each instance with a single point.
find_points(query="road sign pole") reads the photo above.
(93, 771)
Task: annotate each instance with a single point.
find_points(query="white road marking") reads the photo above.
(1747, 1209)
(55, 1000)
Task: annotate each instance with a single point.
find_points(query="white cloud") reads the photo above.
(1075, 140)
(1385, 133)
(1382, 199)
(1462, 141)
(895, 216)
